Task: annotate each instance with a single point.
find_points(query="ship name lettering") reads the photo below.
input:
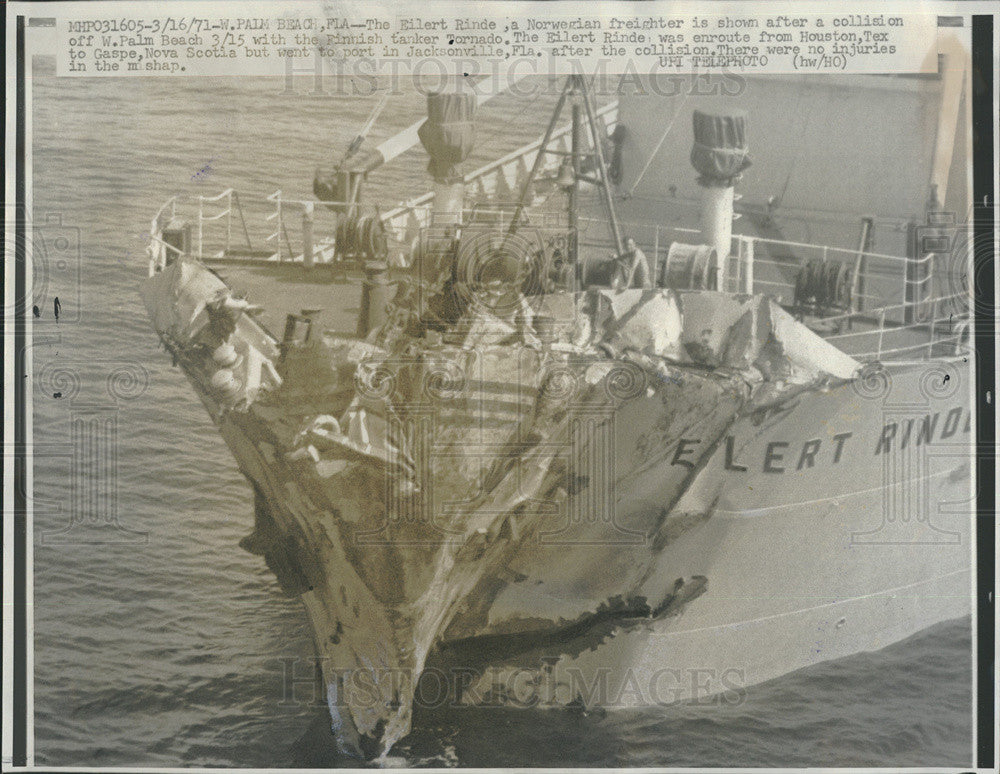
(840, 438)
(416, 23)
(562, 36)
(772, 456)
(731, 456)
(925, 432)
(684, 446)
(465, 25)
(809, 449)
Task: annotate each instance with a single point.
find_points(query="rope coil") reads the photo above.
(824, 284)
(362, 236)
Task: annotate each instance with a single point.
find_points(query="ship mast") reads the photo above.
(575, 89)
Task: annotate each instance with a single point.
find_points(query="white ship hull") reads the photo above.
(603, 497)
(799, 566)
(775, 571)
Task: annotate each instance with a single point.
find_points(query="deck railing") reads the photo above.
(769, 266)
(756, 264)
(948, 326)
(260, 228)
(875, 328)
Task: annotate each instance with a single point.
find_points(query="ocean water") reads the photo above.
(157, 640)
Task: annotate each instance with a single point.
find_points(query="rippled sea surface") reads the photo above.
(158, 641)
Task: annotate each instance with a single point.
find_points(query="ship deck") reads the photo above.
(331, 295)
(880, 326)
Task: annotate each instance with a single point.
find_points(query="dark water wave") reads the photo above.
(157, 640)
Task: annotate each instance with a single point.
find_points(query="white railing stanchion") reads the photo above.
(276, 236)
(307, 235)
(881, 333)
(201, 213)
(243, 220)
(229, 221)
(654, 269)
(277, 232)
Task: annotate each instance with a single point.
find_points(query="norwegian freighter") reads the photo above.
(601, 432)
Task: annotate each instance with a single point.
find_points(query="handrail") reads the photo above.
(876, 272)
(248, 199)
(206, 222)
(172, 203)
(228, 194)
(217, 197)
(243, 220)
(894, 307)
(777, 242)
(930, 344)
(827, 249)
(166, 244)
(930, 324)
(847, 251)
(743, 247)
(740, 239)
